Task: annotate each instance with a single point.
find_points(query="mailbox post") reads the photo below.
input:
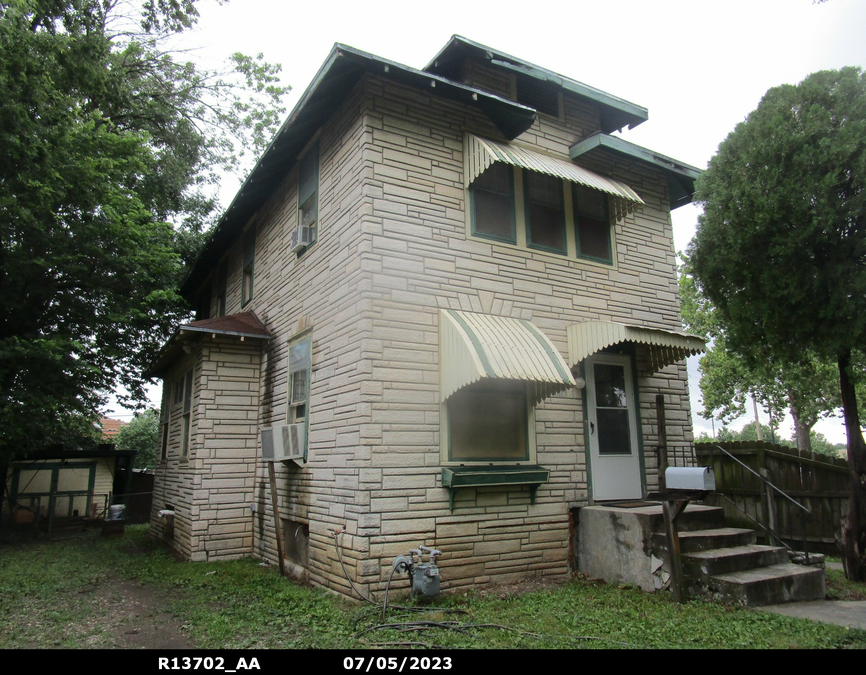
(683, 484)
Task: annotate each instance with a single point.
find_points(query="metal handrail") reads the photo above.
(805, 517)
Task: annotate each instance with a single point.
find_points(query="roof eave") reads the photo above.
(616, 113)
(343, 68)
(681, 176)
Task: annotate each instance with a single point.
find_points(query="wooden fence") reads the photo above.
(818, 482)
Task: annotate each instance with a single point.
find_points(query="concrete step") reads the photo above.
(701, 565)
(768, 585)
(706, 540)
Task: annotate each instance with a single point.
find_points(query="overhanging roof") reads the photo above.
(681, 176)
(477, 346)
(666, 347)
(341, 71)
(616, 112)
(484, 152)
(245, 325)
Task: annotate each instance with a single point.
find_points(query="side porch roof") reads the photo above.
(245, 325)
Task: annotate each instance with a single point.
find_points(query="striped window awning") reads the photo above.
(483, 152)
(477, 346)
(665, 347)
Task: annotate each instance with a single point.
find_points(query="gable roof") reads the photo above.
(616, 112)
(341, 71)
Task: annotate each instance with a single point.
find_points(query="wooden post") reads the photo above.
(663, 441)
(277, 524)
(672, 509)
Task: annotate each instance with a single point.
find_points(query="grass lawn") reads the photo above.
(70, 594)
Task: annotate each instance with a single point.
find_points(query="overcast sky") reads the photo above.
(698, 67)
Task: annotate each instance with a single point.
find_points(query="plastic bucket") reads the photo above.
(115, 512)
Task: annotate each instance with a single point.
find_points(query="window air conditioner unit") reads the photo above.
(283, 443)
(301, 238)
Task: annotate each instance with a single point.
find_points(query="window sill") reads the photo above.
(455, 477)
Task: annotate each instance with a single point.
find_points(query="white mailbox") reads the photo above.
(690, 478)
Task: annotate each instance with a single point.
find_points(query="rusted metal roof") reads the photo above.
(246, 324)
(477, 346)
(483, 152)
(666, 347)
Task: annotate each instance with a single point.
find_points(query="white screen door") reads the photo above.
(615, 466)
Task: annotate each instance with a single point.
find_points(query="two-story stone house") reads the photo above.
(454, 291)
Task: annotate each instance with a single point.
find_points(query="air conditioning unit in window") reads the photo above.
(283, 443)
(301, 238)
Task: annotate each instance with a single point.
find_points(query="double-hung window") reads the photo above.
(221, 285)
(492, 203)
(308, 191)
(592, 223)
(545, 212)
(534, 201)
(187, 414)
(300, 369)
(249, 265)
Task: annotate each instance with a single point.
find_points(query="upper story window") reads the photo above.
(545, 212)
(541, 202)
(221, 284)
(308, 192)
(492, 197)
(249, 264)
(592, 220)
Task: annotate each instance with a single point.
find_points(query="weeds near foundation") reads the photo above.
(71, 594)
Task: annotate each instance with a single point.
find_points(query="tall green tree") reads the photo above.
(781, 246)
(808, 390)
(109, 150)
(141, 435)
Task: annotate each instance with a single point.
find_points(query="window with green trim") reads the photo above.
(492, 203)
(488, 421)
(591, 223)
(545, 212)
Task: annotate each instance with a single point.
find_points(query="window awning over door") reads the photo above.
(476, 346)
(483, 152)
(665, 347)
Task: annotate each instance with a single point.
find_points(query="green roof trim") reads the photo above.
(616, 112)
(681, 176)
(342, 70)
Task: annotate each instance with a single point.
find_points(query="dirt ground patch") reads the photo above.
(136, 617)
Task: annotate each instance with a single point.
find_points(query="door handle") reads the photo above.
(591, 428)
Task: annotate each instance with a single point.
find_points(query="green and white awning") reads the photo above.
(483, 152)
(477, 346)
(665, 346)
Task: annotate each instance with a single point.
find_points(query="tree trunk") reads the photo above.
(854, 532)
